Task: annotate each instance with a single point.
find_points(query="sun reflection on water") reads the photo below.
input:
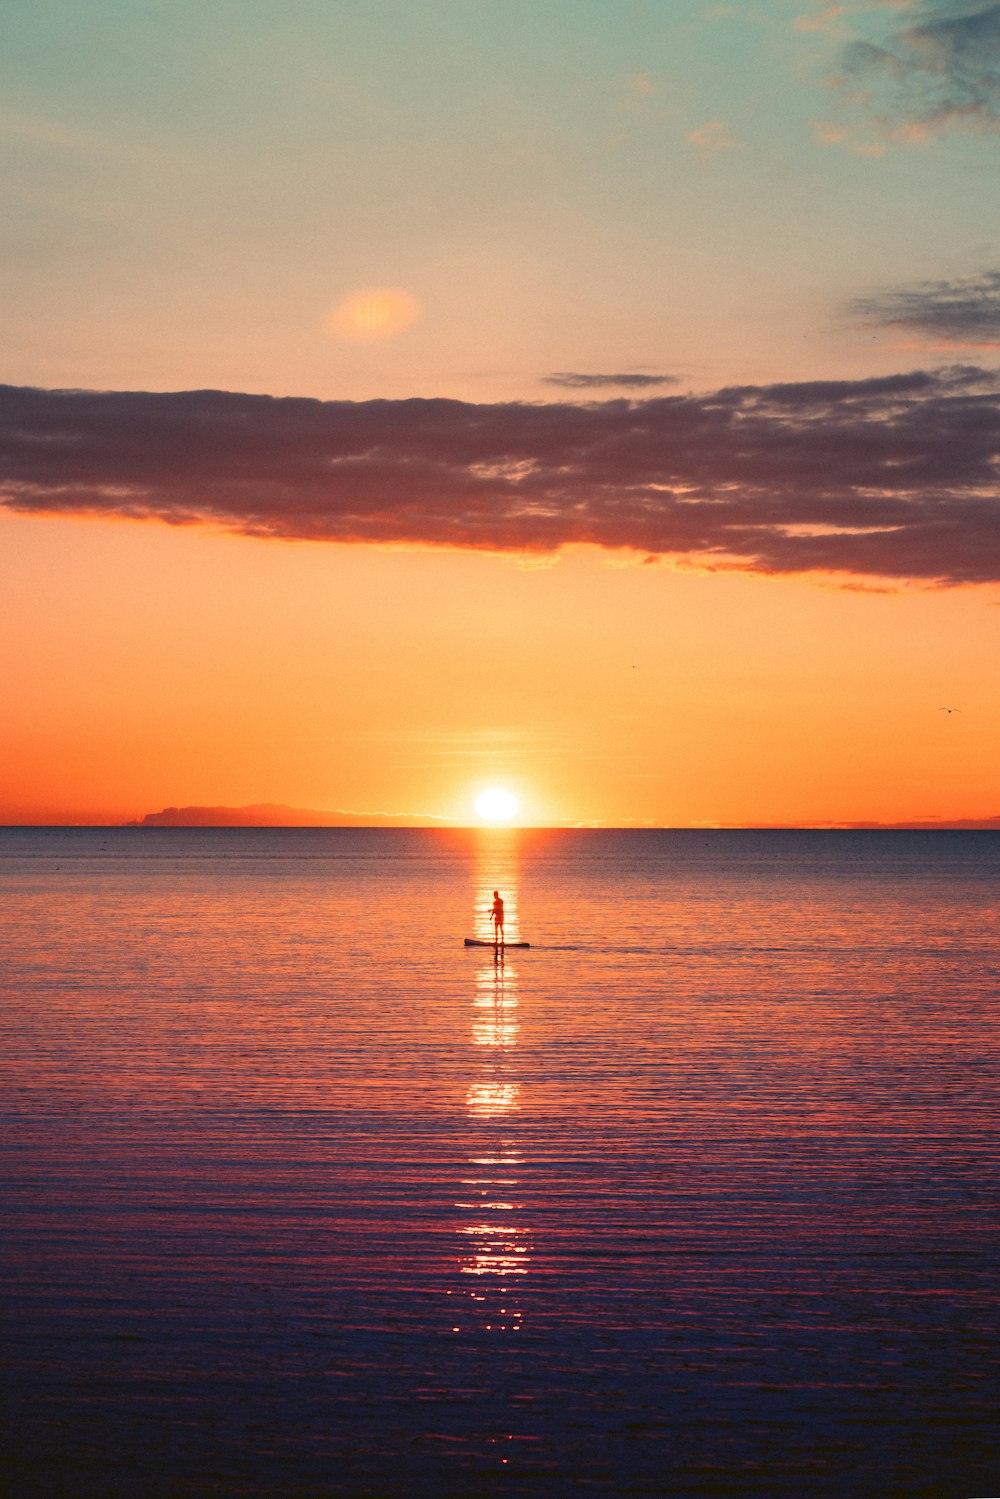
(495, 1023)
(492, 1100)
(496, 1252)
(497, 869)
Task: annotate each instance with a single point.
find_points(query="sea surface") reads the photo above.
(698, 1196)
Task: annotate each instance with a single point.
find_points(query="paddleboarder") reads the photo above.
(497, 916)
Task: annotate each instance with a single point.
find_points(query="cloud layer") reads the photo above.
(888, 478)
(961, 313)
(942, 71)
(571, 380)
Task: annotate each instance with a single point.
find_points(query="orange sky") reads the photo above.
(156, 666)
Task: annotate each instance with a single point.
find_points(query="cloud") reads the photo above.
(962, 313)
(826, 19)
(829, 133)
(570, 380)
(890, 478)
(941, 72)
(711, 138)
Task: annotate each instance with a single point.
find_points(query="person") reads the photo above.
(497, 915)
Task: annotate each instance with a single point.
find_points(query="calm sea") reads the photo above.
(696, 1197)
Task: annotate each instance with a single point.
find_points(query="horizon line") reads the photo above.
(917, 825)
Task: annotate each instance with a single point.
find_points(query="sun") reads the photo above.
(497, 804)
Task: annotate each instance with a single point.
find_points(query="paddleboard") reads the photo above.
(488, 942)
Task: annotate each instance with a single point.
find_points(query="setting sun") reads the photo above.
(497, 805)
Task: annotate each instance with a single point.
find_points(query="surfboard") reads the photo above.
(488, 942)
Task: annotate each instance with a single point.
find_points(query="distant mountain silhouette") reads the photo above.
(273, 815)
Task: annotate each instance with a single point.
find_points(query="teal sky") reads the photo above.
(591, 187)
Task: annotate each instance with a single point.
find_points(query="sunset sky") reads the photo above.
(594, 398)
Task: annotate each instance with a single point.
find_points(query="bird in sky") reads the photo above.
(949, 710)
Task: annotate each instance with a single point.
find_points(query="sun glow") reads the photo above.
(497, 805)
(373, 314)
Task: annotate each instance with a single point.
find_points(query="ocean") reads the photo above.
(696, 1197)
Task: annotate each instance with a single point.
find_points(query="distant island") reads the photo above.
(273, 815)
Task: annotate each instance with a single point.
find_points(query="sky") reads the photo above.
(594, 398)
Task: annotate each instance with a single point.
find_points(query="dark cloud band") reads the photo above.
(963, 312)
(942, 71)
(571, 380)
(890, 478)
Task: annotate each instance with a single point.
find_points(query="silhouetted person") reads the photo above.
(497, 915)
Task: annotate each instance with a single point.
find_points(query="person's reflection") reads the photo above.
(496, 1256)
